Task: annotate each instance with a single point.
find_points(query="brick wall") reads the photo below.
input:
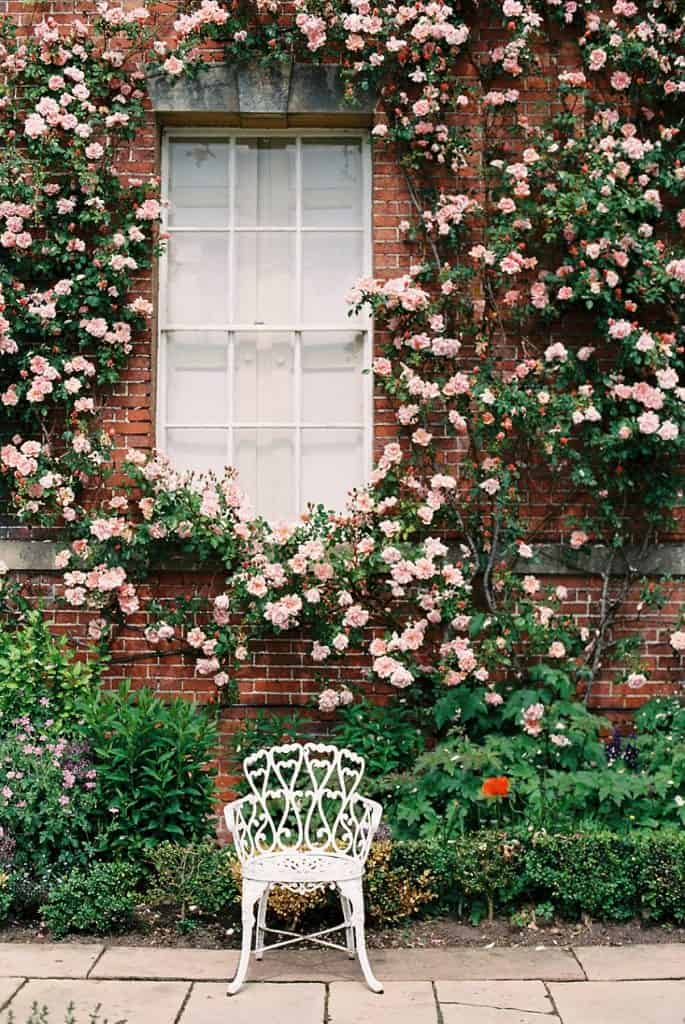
(278, 674)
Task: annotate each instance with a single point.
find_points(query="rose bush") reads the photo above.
(534, 343)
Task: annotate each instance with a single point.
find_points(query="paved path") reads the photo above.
(583, 985)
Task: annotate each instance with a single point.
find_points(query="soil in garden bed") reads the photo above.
(436, 933)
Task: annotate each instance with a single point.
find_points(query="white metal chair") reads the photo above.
(304, 826)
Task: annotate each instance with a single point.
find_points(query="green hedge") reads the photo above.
(603, 875)
(99, 900)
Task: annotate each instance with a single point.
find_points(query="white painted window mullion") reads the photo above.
(230, 337)
(367, 325)
(230, 397)
(297, 336)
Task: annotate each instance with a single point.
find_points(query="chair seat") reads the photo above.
(302, 867)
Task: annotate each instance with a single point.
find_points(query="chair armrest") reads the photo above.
(230, 814)
(376, 814)
(370, 820)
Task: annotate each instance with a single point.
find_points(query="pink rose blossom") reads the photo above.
(677, 640)
(648, 423)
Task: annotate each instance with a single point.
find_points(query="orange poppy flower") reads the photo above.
(497, 785)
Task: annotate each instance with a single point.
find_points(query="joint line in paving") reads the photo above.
(438, 1008)
(96, 961)
(552, 1000)
(326, 1003)
(578, 961)
(184, 1003)
(6, 1003)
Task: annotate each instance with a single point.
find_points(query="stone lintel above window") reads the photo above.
(278, 95)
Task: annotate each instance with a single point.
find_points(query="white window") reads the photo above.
(260, 365)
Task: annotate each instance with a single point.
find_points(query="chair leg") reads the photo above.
(349, 929)
(353, 891)
(251, 893)
(261, 922)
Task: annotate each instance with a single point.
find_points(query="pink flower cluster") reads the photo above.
(208, 13)
(15, 234)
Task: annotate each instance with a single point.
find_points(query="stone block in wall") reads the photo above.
(281, 94)
(29, 555)
(593, 560)
(549, 559)
(214, 89)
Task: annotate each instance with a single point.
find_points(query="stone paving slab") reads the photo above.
(609, 963)
(420, 964)
(402, 1002)
(627, 1002)
(150, 962)
(255, 1004)
(453, 1014)
(136, 1002)
(47, 959)
(8, 986)
(508, 995)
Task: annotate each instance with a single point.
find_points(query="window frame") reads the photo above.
(363, 326)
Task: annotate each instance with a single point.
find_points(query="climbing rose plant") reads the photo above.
(532, 352)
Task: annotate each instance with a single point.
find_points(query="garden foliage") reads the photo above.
(98, 900)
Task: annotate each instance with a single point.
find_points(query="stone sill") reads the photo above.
(550, 560)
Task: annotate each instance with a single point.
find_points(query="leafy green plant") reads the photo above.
(660, 858)
(197, 879)
(558, 778)
(155, 779)
(593, 873)
(487, 871)
(98, 899)
(39, 675)
(386, 736)
(6, 894)
(41, 1015)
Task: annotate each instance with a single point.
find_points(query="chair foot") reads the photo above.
(352, 891)
(252, 891)
(369, 977)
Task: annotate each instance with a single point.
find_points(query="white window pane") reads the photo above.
(264, 378)
(198, 183)
(197, 287)
(197, 378)
(332, 382)
(266, 462)
(331, 183)
(265, 183)
(200, 450)
(332, 463)
(331, 263)
(265, 273)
